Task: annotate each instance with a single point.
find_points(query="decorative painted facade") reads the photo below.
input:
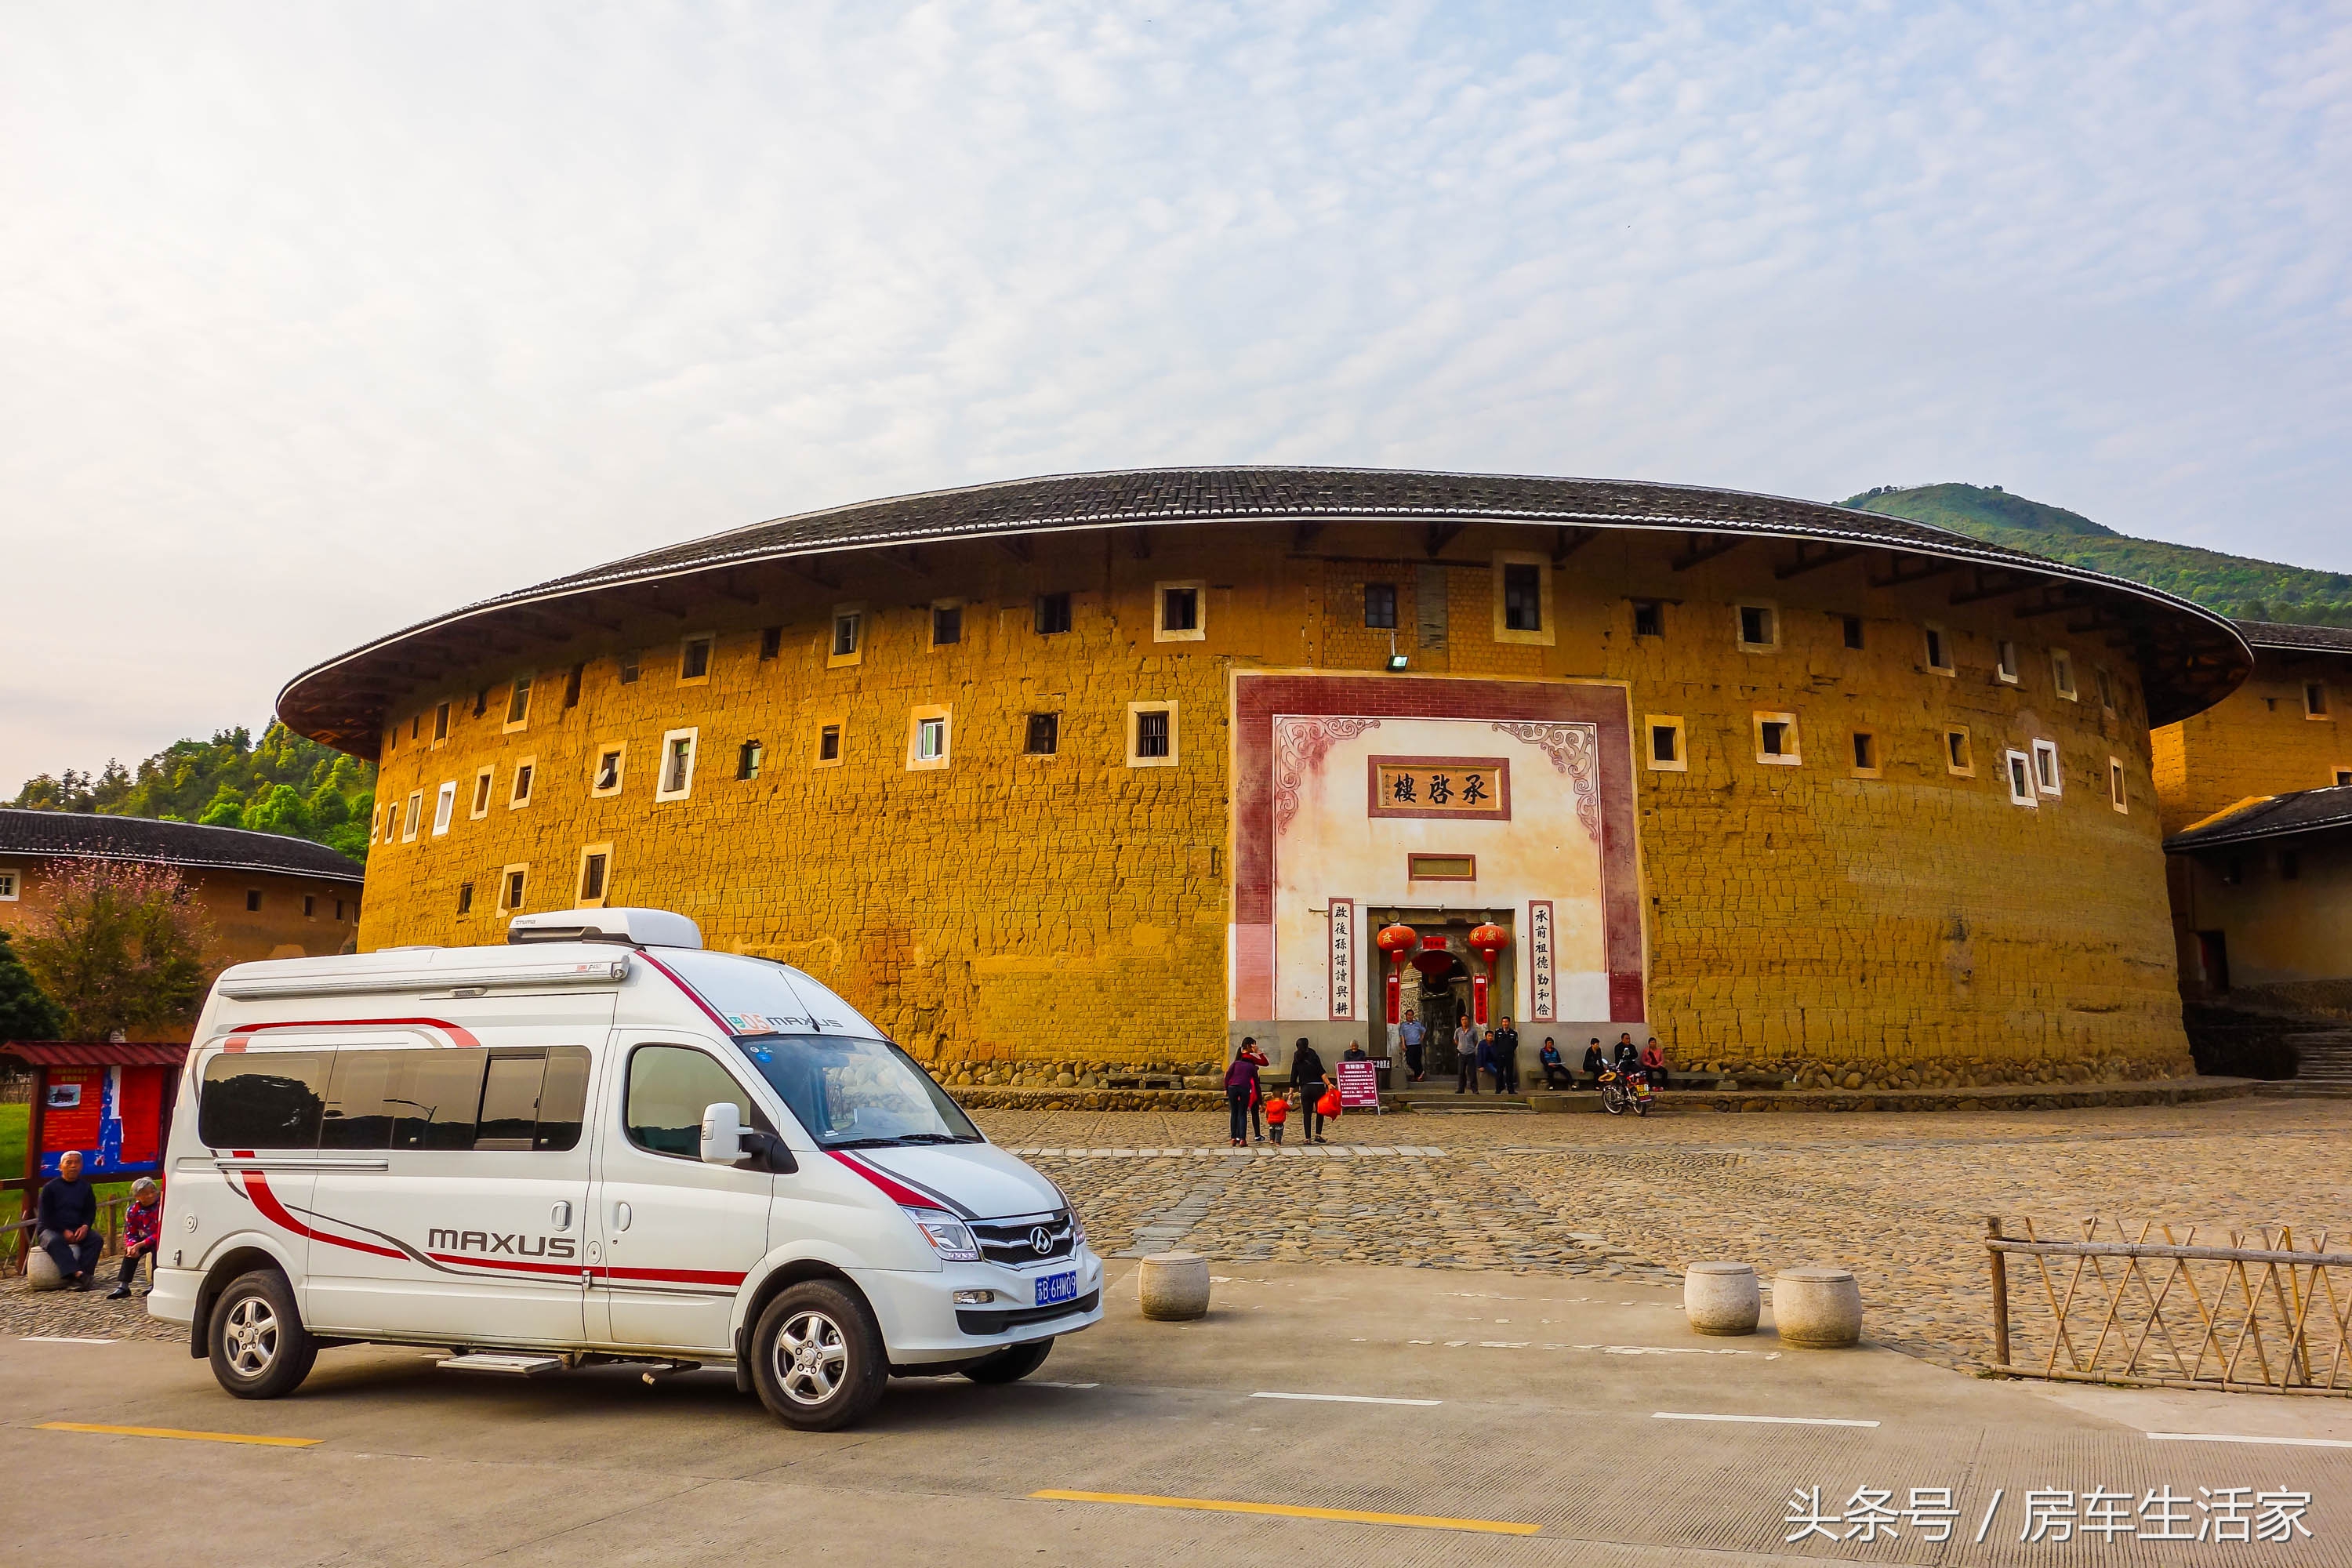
(1109, 771)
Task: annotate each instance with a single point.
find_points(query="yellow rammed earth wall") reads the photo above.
(2257, 741)
(1914, 926)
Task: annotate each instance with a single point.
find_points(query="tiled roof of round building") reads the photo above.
(86, 835)
(2195, 654)
(2289, 638)
(2269, 816)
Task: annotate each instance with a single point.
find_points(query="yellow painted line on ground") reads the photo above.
(176, 1432)
(1287, 1510)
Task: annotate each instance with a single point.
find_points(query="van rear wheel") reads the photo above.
(260, 1349)
(1012, 1363)
(817, 1358)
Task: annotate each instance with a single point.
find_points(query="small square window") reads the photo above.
(606, 778)
(747, 759)
(694, 659)
(828, 743)
(1649, 618)
(947, 623)
(512, 884)
(1045, 735)
(928, 738)
(628, 670)
(572, 679)
(440, 723)
(2314, 699)
(848, 642)
(252, 901)
(2117, 795)
(1937, 650)
(1053, 614)
(2019, 769)
(771, 642)
(444, 805)
(1775, 740)
(2343, 777)
(2048, 777)
(2005, 662)
(8, 886)
(464, 898)
(1853, 630)
(676, 780)
(1865, 754)
(1958, 758)
(1380, 607)
(518, 703)
(2061, 673)
(1151, 734)
(1756, 626)
(596, 873)
(1179, 612)
(524, 776)
(1522, 597)
(1667, 744)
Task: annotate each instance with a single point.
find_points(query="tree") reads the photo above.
(279, 811)
(24, 1013)
(122, 945)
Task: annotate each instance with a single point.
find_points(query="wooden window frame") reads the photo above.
(936, 713)
(521, 692)
(1963, 770)
(1545, 634)
(1134, 729)
(708, 642)
(619, 752)
(582, 897)
(1653, 722)
(1877, 765)
(1794, 757)
(1199, 630)
(525, 787)
(692, 736)
(860, 633)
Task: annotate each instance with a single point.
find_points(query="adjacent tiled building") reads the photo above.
(1123, 766)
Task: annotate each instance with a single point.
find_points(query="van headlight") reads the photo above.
(948, 1235)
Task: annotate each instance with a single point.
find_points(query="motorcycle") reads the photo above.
(1623, 1092)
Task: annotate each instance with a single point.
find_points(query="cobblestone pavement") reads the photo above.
(1900, 1200)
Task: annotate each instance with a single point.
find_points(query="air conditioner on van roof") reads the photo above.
(633, 927)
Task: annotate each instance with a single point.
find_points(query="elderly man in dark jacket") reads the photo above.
(64, 1220)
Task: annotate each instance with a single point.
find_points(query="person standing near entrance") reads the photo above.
(1410, 1034)
(1308, 1078)
(1465, 1056)
(1240, 1088)
(1507, 1057)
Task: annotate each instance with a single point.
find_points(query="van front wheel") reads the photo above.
(1012, 1363)
(817, 1358)
(259, 1347)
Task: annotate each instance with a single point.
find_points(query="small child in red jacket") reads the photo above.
(1277, 1111)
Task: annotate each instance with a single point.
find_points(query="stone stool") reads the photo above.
(1817, 1309)
(1721, 1298)
(1174, 1286)
(41, 1271)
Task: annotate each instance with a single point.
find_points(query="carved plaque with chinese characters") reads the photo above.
(1475, 788)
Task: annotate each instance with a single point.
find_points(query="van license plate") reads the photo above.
(1054, 1287)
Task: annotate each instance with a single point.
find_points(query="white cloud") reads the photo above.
(320, 320)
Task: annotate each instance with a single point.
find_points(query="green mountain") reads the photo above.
(285, 784)
(2235, 584)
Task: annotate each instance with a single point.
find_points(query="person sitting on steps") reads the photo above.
(1554, 1071)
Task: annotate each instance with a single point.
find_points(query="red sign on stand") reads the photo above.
(1360, 1085)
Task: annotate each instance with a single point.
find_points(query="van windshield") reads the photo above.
(854, 1093)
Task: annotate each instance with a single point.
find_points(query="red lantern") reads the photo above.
(1395, 941)
(1435, 960)
(1488, 940)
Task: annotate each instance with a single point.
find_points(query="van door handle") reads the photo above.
(621, 1216)
(559, 1217)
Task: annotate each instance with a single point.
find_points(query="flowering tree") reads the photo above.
(121, 945)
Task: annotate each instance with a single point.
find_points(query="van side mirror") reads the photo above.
(722, 1133)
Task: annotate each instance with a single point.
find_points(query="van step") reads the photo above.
(510, 1365)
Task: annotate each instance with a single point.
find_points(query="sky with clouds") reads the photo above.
(316, 320)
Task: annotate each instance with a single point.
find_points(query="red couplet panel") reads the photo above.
(142, 1108)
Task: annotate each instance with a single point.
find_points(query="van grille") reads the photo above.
(1012, 1242)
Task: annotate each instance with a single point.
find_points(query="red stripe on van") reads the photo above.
(898, 1192)
(675, 1276)
(691, 993)
(472, 1262)
(256, 1191)
(239, 1035)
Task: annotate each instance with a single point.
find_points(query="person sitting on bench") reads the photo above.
(65, 1223)
(1554, 1071)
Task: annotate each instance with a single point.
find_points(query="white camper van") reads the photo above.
(599, 1142)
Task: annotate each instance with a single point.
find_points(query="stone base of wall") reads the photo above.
(1159, 1073)
(2007, 1097)
(1937, 1073)
(1088, 1098)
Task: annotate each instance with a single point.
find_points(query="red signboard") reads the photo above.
(1360, 1085)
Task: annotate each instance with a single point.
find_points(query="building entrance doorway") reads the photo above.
(1437, 980)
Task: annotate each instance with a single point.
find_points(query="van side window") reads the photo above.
(404, 1100)
(533, 1099)
(262, 1099)
(669, 1088)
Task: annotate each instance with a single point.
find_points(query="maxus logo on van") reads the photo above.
(599, 1142)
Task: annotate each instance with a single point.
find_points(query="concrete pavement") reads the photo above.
(1545, 1444)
